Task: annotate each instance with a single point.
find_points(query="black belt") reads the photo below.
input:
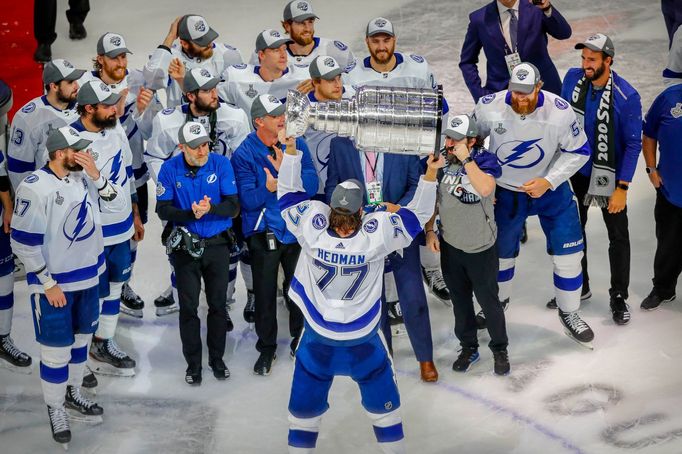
(225, 237)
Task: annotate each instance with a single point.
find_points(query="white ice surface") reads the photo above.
(623, 397)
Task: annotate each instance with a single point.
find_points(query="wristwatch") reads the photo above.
(467, 160)
(623, 186)
(650, 170)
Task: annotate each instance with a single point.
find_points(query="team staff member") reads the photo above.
(610, 111)
(198, 194)
(256, 165)
(467, 249)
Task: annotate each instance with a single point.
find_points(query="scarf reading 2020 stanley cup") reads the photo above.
(603, 179)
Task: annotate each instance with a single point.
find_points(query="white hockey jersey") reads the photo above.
(338, 281)
(57, 223)
(156, 69)
(113, 158)
(549, 143)
(26, 151)
(242, 83)
(232, 127)
(411, 71)
(138, 127)
(323, 46)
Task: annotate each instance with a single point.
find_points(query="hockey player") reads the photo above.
(272, 75)
(57, 233)
(337, 285)
(10, 356)
(227, 127)
(298, 21)
(110, 149)
(196, 48)
(26, 150)
(539, 144)
(140, 105)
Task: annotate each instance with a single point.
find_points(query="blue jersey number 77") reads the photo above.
(331, 271)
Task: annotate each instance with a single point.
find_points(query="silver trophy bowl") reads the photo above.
(379, 119)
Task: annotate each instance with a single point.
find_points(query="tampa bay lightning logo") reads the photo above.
(319, 221)
(455, 122)
(117, 169)
(381, 23)
(371, 226)
(79, 224)
(522, 74)
(115, 40)
(67, 64)
(205, 73)
(560, 103)
(417, 58)
(240, 66)
(28, 108)
(487, 99)
(195, 129)
(200, 26)
(302, 6)
(211, 178)
(520, 154)
(329, 62)
(275, 34)
(340, 45)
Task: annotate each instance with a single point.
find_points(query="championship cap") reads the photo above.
(199, 79)
(380, 25)
(111, 45)
(598, 42)
(193, 134)
(347, 197)
(266, 105)
(324, 67)
(271, 39)
(524, 78)
(298, 11)
(96, 92)
(195, 29)
(65, 137)
(60, 69)
(461, 126)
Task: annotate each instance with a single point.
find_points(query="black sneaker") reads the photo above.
(620, 310)
(652, 301)
(77, 31)
(480, 316)
(193, 376)
(264, 363)
(250, 307)
(220, 370)
(501, 362)
(467, 357)
(43, 53)
(584, 295)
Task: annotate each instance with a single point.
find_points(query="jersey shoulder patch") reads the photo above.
(350, 67)
(227, 46)
(319, 221)
(168, 111)
(560, 103)
(487, 99)
(31, 178)
(340, 45)
(28, 108)
(240, 66)
(417, 58)
(371, 226)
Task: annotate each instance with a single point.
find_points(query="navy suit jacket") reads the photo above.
(400, 176)
(485, 32)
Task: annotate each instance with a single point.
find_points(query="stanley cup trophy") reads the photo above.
(379, 119)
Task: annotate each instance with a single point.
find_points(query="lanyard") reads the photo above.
(373, 168)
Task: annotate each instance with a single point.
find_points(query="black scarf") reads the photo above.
(603, 177)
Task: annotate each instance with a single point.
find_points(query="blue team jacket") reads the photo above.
(248, 162)
(627, 109)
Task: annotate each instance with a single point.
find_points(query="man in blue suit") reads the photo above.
(391, 178)
(509, 32)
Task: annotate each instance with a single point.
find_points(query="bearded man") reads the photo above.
(528, 127)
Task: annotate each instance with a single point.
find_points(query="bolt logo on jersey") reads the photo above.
(319, 221)
(560, 104)
(79, 224)
(115, 40)
(371, 226)
(115, 163)
(487, 99)
(211, 178)
(28, 108)
(519, 154)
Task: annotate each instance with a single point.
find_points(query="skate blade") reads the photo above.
(18, 369)
(587, 345)
(65, 446)
(137, 313)
(75, 415)
(101, 368)
(161, 311)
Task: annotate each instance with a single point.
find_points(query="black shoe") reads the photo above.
(89, 381)
(230, 325)
(620, 310)
(250, 307)
(652, 301)
(501, 362)
(584, 295)
(293, 346)
(220, 370)
(43, 53)
(193, 376)
(77, 31)
(264, 363)
(466, 358)
(480, 316)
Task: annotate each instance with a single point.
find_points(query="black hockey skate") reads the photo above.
(434, 281)
(81, 408)
(59, 423)
(165, 304)
(12, 358)
(584, 295)
(107, 358)
(89, 380)
(395, 319)
(131, 303)
(576, 328)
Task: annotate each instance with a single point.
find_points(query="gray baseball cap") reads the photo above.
(58, 70)
(194, 28)
(598, 42)
(111, 45)
(298, 11)
(461, 126)
(271, 39)
(96, 92)
(380, 25)
(65, 137)
(524, 78)
(324, 67)
(347, 196)
(199, 79)
(266, 105)
(193, 134)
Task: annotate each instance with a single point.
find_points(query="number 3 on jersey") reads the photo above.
(331, 271)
